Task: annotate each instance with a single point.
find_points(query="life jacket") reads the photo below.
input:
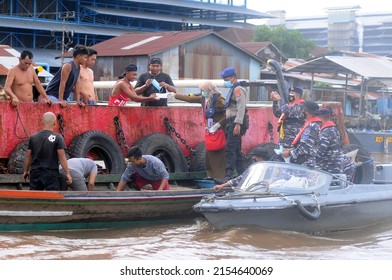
(283, 117)
(327, 124)
(229, 94)
(298, 137)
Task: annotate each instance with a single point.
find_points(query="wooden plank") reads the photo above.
(109, 178)
(187, 175)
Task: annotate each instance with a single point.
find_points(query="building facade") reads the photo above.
(344, 29)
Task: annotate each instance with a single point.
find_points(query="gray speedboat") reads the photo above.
(281, 196)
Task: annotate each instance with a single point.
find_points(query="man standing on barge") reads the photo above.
(154, 81)
(237, 123)
(20, 81)
(63, 82)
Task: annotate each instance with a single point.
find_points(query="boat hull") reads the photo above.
(373, 141)
(25, 210)
(362, 206)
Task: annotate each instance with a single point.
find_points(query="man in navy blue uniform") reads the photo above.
(291, 115)
(305, 143)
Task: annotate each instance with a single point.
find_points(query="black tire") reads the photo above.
(163, 147)
(16, 160)
(365, 171)
(198, 160)
(99, 146)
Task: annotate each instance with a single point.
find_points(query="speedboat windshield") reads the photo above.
(284, 178)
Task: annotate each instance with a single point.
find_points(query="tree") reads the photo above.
(290, 42)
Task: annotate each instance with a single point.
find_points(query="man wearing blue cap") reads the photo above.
(291, 115)
(237, 123)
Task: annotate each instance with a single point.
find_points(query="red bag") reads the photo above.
(215, 141)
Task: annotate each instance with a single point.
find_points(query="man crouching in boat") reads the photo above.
(144, 171)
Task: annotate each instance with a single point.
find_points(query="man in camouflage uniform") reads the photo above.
(305, 143)
(291, 117)
(330, 156)
(236, 123)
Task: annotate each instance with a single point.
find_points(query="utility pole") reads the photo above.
(65, 16)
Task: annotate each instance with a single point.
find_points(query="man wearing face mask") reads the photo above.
(237, 123)
(291, 115)
(305, 143)
(144, 172)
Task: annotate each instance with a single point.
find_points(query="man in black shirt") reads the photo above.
(45, 151)
(154, 81)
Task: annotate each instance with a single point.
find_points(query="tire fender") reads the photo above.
(101, 146)
(312, 215)
(163, 147)
(198, 160)
(15, 163)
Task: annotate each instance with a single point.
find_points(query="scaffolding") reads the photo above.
(61, 24)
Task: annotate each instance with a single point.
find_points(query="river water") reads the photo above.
(195, 239)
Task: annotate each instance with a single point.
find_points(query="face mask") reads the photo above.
(291, 98)
(228, 84)
(204, 94)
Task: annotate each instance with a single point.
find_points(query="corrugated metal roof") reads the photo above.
(254, 47)
(368, 96)
(3, 70)
(6, 51)
(307, 77)
(235, 35)
(150, 43)
(366, 67)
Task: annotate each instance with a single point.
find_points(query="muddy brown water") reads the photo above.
(195, 239)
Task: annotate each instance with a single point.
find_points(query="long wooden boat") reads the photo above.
(44, 210)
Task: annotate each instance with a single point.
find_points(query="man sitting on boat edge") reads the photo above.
(144, 171)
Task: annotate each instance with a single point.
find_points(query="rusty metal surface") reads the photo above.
(136, 122)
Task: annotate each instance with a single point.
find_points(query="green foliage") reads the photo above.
(290, 42)
(321, 84)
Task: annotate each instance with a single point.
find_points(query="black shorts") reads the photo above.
(44, 179)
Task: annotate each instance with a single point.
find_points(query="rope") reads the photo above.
(16, 123)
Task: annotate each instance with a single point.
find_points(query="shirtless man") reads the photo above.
(123, 90)
(20, 81)
(84, 88)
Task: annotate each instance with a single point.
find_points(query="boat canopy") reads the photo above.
(284, 178)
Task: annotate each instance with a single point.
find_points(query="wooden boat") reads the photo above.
(43, 210)
(291, 197)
